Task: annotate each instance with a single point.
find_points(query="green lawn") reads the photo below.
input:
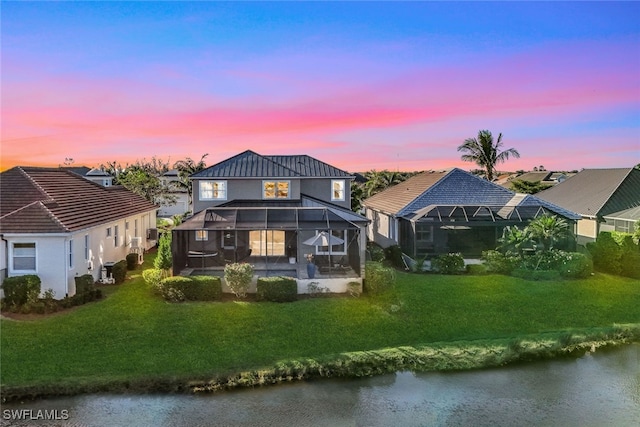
(132, 334)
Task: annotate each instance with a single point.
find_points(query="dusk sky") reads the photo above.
(358, 85)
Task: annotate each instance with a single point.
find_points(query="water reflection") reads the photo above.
(595, 390)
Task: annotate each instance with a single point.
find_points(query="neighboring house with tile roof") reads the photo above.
(58, 225)
(606, 199)
(262, 209)
(451, 211)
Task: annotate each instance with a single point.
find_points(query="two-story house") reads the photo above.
(181, 205)
(267, 210)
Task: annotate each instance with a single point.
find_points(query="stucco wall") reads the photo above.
(53, 252)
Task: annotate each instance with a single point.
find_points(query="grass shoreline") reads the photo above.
(443, 356)
(134, 342)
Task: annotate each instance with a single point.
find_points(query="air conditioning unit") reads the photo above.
(136, 242)
(152, 234)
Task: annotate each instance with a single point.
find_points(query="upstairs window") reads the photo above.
(275, 189)
(213, 190)
(24, 257)
(337, 190)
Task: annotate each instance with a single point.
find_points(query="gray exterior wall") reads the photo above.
(251, 189)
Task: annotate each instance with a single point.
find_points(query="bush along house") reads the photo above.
(285, 215)
(58, 225)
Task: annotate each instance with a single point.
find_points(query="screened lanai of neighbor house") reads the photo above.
(471, 229)
(271, 238)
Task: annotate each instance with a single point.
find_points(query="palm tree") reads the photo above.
(548, 229)
(485, 153)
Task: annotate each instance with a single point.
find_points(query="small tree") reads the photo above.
(238, 277)
(163, 260)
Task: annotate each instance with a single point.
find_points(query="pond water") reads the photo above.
(598, 389)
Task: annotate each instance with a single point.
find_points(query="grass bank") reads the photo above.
(134, 341)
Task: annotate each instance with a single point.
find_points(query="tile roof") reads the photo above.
(455, 187)
(249, 164)
(596, 192)
(54, 200)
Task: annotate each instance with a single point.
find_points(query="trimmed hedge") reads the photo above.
(120, 271)
(196, 288)
(132, 261)
(17, 288)
(84, 283)
(277, 289)
(209, 287)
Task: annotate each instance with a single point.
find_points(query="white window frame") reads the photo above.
(135, 228)
(108, 231)
(217, 190)
(341, 191)
(35, 257)
(115, 235)
(343, 244)
(202, 235)
(86, 247)
(275, 191)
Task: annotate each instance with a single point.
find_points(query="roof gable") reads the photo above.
(49, 200)
(456, 187)
(460, 188)
(247, 164)
(594, 192)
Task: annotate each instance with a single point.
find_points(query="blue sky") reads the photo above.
(387, 85)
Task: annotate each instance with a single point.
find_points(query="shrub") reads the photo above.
(376, 253)
(238, 277)
(629, 257)
(378, 278)
(163, 259)
(497, 262)
(132, 261)
(448, 264)
(152, 276)
(393, 254)
(18, 289)
(606, 254)
(84, 283)
(177, 288)
(524, 273)
(277, 289)
(119, 271)
(576, 266)
(209, 288)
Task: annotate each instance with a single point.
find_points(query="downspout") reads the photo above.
(6, 254)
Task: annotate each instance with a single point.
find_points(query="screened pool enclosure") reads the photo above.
(272, 239)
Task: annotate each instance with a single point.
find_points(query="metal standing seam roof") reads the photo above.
(454, 188)
(596, 192)
(249, 164)
(53, 200)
